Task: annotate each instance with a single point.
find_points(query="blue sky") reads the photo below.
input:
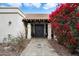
(44, 8)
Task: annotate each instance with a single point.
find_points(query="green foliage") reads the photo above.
(70, 46)
(62, 39)
(62, 22)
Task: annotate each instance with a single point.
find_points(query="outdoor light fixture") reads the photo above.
(9, 23)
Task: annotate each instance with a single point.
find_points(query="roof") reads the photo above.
(36, 16)
(26, 16)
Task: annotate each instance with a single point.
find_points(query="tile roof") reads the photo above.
(36, 16)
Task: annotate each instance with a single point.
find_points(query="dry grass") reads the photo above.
(14, 47)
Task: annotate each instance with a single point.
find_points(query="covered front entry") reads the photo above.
(39, 30)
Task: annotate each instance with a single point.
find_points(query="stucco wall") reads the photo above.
(11, 10)
(14, 29)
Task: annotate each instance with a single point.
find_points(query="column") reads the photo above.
(29, 31)
(34, 29)
(49, 31)
(44, 30)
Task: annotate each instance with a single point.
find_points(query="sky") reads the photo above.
(41, 8)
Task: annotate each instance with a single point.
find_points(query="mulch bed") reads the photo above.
(11, 50)
(61, 50)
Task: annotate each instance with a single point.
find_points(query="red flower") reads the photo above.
(75, 5)
(66, 17)
(77, 26)
(61, 7)
(66, 27)
(69, 34)
(67, 5)
(54, 13)
(71, 9)
(55, 25)
(77, 14)
(73, 41)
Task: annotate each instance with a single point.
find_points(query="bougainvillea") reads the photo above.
(69, 35)
(66, 17)
(73, 41)
(77, 26)
(77, 14)
(66, 27)
(55, 25)
(61, 19)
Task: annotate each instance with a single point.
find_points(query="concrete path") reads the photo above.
(39, 47)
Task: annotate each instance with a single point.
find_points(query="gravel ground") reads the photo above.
(10, 50)
(61, 50)
(7, 50)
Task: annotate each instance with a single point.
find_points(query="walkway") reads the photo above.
(39, 47)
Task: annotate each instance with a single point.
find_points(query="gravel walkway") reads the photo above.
(39, 47)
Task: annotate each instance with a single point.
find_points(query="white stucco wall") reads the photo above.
(12, 10)
(14, 29)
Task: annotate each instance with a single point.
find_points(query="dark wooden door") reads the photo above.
(39, 30)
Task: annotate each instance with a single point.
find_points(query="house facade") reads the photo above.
(37, 26)
(13, 22)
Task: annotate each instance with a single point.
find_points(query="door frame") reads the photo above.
(45, 29)
(41, 34)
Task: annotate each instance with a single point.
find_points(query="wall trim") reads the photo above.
(11, 13)
(18, 12)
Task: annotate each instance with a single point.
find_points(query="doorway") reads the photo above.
(39, 30)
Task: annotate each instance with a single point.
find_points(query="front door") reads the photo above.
(39, 30)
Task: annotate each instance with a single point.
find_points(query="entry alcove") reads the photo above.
(39, 27)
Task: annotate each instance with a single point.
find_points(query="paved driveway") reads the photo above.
(39, 47)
